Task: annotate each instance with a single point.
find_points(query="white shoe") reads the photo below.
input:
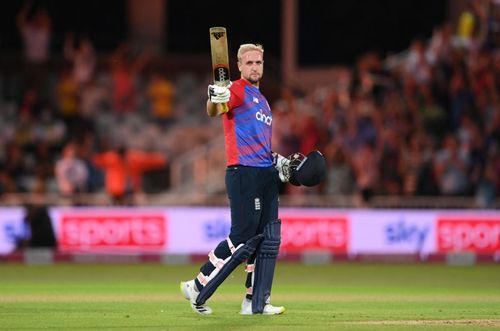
(246, 307)
(189, 291)
(269, 309)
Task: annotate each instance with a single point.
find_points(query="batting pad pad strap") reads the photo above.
(264, 266)
(242, 252)
(231, 246)
(250, 268)
(202, 279)
(218, 263)
(205, 279)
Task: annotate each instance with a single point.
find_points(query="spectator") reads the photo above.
(43, 168)
(461, 97)
(161, 93)
(391, 176)
(432, 115)
(486, 188)
(414, 158)
(312, 135)
(124, 71)
(472, 25)
(70, 171)
(93, 99)
(36, 31)
(31, 105)
(14, 169)
(124, 169)
(82, 57)
(95, 176)
(340, 177)
(450, 166)
(416, 64)
(366, 170)
(7, 181)
(286, 136)
(440, 45)
(67, 97)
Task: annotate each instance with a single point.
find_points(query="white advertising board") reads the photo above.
(197, 230)
(12, 228)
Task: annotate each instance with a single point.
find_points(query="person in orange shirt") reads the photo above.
(161, 94)
(124, 169)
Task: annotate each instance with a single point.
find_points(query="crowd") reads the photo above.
(422, 122)
(92, 122)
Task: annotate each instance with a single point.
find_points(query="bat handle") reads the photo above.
(224, 107)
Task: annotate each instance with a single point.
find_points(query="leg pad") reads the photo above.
(240, 255)
(264, 266)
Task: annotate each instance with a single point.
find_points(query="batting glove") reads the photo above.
(282, 164)
(218, 94)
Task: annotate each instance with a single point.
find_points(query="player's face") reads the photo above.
(251, 66)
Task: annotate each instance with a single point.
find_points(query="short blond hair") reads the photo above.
(249, 47)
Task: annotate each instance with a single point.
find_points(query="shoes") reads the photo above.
(269, 309)
(246, 307)
(189, 291)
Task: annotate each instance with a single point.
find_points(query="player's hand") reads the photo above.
(282, 164)
(218, 94)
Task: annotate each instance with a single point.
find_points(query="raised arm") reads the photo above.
(218, 97)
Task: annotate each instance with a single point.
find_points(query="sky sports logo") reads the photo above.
(261, 117)
(313, 233)
(468, 235)
(407, 233)
(112, 232)
(216, 229)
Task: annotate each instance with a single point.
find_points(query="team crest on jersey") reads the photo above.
(257, 203)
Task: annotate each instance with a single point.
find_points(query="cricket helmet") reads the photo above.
(307, 170)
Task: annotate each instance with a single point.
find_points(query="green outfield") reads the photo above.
(335, 297)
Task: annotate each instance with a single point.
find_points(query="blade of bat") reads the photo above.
(220, 59)
(220, 56)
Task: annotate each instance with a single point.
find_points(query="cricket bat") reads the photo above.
(220, 58)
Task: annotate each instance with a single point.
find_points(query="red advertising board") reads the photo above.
(112, 231)
(480, 235)
(314, 233)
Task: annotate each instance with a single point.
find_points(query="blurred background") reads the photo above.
(400, 96)
(103, 102)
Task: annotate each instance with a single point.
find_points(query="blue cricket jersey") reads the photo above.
(248, 127)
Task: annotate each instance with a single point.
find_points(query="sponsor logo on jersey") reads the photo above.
(261, 117)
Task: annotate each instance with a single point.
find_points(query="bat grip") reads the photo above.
(224, 108)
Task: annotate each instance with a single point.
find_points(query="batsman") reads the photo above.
(252, 180)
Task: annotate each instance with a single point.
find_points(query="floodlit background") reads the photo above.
(400, 96)
(112, 176)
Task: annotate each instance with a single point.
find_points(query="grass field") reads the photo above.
(335, 297)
